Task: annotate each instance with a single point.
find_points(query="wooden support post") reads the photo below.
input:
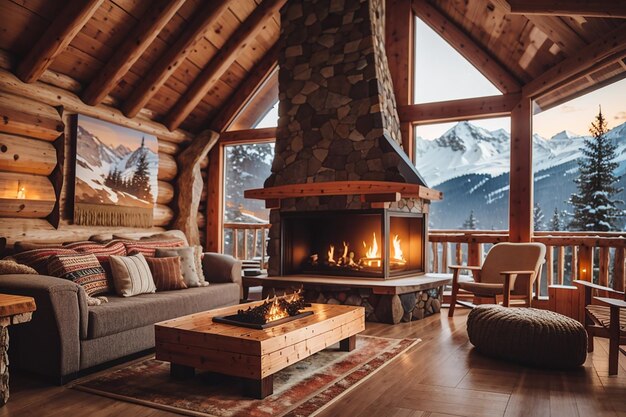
(444, 257)
(574, 265)
(458, 254)
(259, 388)
(585, 263)
(214, 204)
(399, 28)
(603, 276)
(560, 265)
(549, 265)
(618, 270)
(348, 345)
(521, 173)
(435, 257)
(190, 184)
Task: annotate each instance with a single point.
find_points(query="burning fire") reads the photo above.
(331, 254)
(372, 256)
(276, 311)
(398, 256)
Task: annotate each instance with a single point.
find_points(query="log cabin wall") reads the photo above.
(37, 154)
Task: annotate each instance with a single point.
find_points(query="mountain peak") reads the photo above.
(565, 134)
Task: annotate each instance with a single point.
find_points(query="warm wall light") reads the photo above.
(21, 191)
(584, 273)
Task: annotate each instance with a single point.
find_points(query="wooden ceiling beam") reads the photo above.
(126, 54)
(463, 109)
(594, 8)
(173, 57)
(235, 44)
(558, 32)
(265, 135)
(466, 46)
(248, 88)
(55, 39)
(604, 49)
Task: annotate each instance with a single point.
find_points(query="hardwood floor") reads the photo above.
(442, 376)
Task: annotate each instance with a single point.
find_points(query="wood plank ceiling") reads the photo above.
(181, 61)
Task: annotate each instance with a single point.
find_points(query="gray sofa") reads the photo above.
(66, 336)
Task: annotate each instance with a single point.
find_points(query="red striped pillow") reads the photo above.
(83, 269)
(148, 249)
(102, 251)
(38, 258)
(166, 273)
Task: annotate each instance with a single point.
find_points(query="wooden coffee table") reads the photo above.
(196, 342)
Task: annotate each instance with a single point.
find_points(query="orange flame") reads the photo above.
(331, 254)
(372, 251)
(397, 250)
(276, 312)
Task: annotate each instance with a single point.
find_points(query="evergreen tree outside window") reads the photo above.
(471, 223)
(555, 221)
(538, 217)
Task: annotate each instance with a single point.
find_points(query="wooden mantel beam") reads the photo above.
(466, 46)
(173, 57)
(462, 109)
(125, 56)
(55, 39)
(608, 47)
(248, 88)
(595, 8)
(236, 43)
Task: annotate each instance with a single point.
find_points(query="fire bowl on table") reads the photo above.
(271, 313)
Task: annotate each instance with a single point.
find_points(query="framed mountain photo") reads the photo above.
(116, 174)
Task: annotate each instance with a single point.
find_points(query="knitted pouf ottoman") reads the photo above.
(528, 335)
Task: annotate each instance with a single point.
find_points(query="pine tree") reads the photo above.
(595, 208)
(555, 221)
(471, 223)
(538, 217)
(139, 185)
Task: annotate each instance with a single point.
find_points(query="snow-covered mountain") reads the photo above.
(95, 160)
(470, 165)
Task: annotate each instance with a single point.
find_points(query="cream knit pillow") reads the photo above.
(131, 275)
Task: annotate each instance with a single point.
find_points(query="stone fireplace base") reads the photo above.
(389, 301)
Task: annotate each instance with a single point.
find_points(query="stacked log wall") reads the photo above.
(37, 150)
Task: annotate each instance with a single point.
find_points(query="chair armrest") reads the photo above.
(466, 267)
(220, 268)
(517, 272)
(509, 282)
(611, 302)
(592, 286)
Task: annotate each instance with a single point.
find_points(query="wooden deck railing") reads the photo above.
(247, 240)
(590, 256)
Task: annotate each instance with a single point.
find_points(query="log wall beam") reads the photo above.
(463, 109)
(466, 46)
(236, 43)
(126, 54)
(55, 96)
(603, 49)
(595, 8)
(399, 39)
(173, 57)
(55, 39)
(247, 90)
(267, 134)
(521, 173)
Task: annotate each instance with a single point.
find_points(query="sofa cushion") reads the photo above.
(166, 273)
(187, 263)
(148, 248)
(121, 314)
(9, 266)
(38, 258)
(102, 251)
(131, 275)
(82, 269)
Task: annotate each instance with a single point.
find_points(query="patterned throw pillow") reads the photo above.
(166, 273)
(82, 269)
(148, 248)
(187, 263)
(38, 258)
(9, 266)
(131, 275)
(102, 251)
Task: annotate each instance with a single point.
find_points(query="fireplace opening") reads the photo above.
(376, 243)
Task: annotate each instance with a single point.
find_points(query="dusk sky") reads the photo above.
(114, 135)
(441, 73)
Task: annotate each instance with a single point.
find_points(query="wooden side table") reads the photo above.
(14, 309)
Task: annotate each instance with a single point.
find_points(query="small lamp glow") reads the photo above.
(21, 191)
(584, 273)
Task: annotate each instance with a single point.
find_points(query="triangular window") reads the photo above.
(442, 73)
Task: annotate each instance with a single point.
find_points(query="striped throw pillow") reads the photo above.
(148, 248)
(102, 251)
(83, 269)
(38, 258)
(131, 275)
(166, 273)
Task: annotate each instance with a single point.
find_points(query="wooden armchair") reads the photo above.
(605, 319)
(508, 273)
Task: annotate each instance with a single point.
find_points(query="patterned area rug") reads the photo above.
(301, 390)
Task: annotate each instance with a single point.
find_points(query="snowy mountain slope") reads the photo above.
(95, 160)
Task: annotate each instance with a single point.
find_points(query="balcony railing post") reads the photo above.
(560, 266)
(549, 265)
(585, 263)
(618, 270)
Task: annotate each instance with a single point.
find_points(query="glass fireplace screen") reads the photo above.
(360, 243)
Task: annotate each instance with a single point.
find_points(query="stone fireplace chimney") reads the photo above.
(337, 116)
(338, 124)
